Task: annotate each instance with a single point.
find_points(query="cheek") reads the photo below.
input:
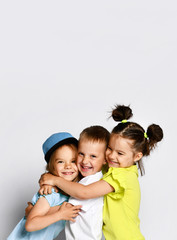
(58, 168)
(78, 161)
(107, 153)
(75, 167)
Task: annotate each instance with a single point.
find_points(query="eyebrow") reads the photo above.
(65, 159)
(59, 159)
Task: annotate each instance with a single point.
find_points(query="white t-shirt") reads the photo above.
(88, 225)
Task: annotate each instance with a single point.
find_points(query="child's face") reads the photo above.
(64, 159)
(91, 157)
(120, 153)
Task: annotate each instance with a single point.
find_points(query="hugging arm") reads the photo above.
(30, 207)
(77, 190)
(39, 218)
(45, 189)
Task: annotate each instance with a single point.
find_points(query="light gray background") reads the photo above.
(63, 66)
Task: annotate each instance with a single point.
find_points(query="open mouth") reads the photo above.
(85, 168)
(67, 173)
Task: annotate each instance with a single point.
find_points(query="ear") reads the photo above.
(138, 156)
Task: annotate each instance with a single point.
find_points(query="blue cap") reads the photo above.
(55, 141)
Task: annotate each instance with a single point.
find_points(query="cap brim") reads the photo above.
(59, 144)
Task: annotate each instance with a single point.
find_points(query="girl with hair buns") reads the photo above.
(129, 142)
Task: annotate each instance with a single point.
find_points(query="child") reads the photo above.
(60, 152)
(92, 146)
(128, 144)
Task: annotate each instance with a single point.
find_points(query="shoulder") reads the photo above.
(54, 198)
(121, 172)
(120, 177)
(91, 178)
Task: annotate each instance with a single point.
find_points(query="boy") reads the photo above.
(92, 146)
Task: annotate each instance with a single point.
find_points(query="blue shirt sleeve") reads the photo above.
(54, 199)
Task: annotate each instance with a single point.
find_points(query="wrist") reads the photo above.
(56, 181)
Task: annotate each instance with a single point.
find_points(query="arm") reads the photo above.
(38, 217)
(77, 190)
(28, 209)
(45, 189)
(30, 206)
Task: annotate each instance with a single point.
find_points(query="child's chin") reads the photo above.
(69, 178)
(88, 173)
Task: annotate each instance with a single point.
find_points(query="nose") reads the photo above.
(85, 160)
(110, 154)
(67, 165)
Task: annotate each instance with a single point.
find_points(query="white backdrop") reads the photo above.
(63, 66)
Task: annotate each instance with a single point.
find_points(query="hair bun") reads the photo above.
(121, 112)
(155, 133)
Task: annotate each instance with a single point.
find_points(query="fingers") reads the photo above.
(74, 215)
(72, 220)
(41, 177)
(41, 191)
(56, 189)
(28, 208)
(77, 207)
(75, 212)
(69, 211)
(45, 189)
(49, 189)
(65, 204)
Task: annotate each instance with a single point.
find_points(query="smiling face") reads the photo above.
(64, 162)
(120, 152)
(91, 157)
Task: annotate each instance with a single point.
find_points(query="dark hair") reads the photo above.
(95, 133)
(134, 131)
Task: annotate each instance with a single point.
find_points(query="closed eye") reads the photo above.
(120, 153)
(93, 156)
(59, 161)
(81, 154)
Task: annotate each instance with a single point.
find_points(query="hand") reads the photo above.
(47, 189)
(47, 179)
(28, 209)
(69, 212)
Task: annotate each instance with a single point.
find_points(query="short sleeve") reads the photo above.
(116, 178)
(54, 199)
(35, 198)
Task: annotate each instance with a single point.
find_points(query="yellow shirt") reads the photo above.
(121, 207)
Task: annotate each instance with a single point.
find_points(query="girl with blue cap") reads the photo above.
(60, 153)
